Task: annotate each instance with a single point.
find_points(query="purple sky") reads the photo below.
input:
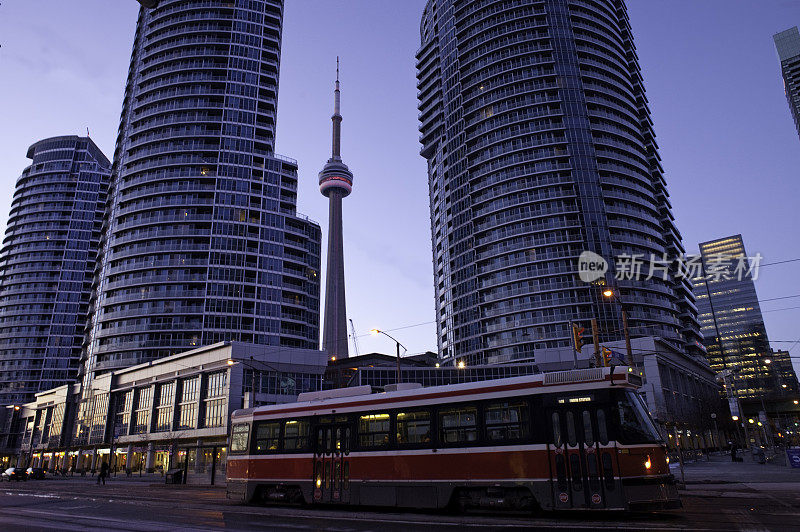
(728, 144)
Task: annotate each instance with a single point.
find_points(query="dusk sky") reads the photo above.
(727, 141)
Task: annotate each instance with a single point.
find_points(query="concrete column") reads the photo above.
(129, 457)
(148, 464)
(94, 460)
(21, 460)
(79, 460)
(199, 465)
(173, 455)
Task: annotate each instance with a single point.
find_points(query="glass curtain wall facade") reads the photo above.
(202, 241)
(540, 146)
(46, 265)
(787, 43)
(732, 324)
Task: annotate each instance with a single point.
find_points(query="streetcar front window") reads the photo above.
(634, 422)
(240, 434)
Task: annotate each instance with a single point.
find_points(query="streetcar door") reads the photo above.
(607, 460)
(583, 459)
(331, 462)
(593, 434)
(559, 477)
(568, 459)
(340, 477)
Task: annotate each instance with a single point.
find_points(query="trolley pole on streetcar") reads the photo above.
(398, 345)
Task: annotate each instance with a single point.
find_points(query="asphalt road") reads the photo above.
(79, 504)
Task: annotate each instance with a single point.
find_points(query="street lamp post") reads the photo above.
(716, 431)
(628, 351)
(375, 332)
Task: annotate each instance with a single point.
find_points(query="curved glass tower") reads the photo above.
(46, 265)
(203, 243)
(540, 146)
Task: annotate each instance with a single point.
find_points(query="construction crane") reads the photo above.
(355, 338)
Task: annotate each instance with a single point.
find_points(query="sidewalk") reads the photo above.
(720, 470)
(151, 479)
(120, 476)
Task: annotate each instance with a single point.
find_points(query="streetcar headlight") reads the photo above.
(647, 462)
(319, 482)
(667, 460)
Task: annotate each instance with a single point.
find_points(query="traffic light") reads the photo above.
(577, 337)
(606, 356)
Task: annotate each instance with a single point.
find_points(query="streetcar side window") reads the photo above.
(268, 436)
(373, 430)
(413, 428)
(458, 425)
(588, 434)
(556, 429)
(296, 435)
(506, 420)
(602, 430)
(572, 438)
(240, 434)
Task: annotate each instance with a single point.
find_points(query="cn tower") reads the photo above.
(335, 182)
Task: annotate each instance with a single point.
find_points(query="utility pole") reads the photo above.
(596, 340)
(628, 350)
(574, 348)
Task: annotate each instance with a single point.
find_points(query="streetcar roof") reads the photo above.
(360, 398)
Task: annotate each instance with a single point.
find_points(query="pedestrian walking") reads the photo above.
(103, 473)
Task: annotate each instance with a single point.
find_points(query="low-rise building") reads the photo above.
(152, 416)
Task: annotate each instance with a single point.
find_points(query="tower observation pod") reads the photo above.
(335, 183)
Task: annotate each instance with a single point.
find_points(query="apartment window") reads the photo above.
(141, 423)
(216, 411)
(165, 410)
(187, 418)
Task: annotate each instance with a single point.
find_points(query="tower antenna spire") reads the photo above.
(337, 118)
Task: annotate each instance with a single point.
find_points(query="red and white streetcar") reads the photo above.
(579, 439)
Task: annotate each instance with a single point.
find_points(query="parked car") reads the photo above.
(36, 473)
(14, 473)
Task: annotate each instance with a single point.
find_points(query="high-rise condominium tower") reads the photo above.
(335, 182)
(540, 146)
(202, 242)
(732, 324)
(46, 265)
(787, 44)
